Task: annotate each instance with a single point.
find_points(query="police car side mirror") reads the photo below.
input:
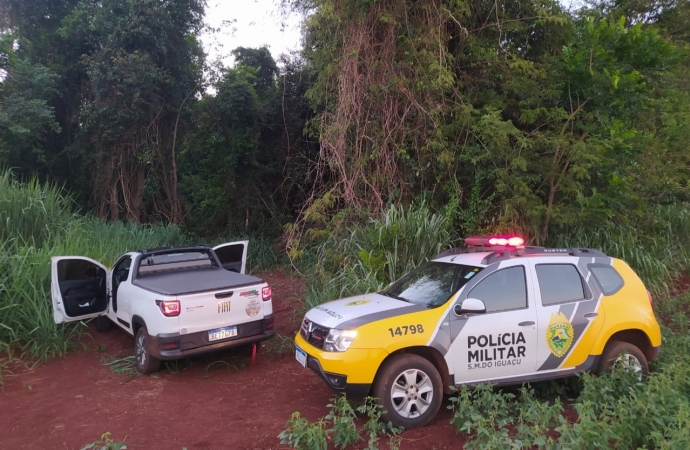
(470, 305)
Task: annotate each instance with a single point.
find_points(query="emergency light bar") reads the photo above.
(495, 241)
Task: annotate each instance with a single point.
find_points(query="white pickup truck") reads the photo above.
(176, 302)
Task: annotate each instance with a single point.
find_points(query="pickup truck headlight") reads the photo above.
(339, 340)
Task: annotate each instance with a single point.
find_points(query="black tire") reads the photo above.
(398, 385)
(619, 353)
(102, 324)
(145, 362)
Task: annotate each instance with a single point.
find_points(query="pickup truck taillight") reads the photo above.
(266, 293)
(169, 308)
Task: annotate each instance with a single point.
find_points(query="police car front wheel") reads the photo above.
(410, 390)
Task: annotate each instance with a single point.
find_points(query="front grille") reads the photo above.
(314, 333)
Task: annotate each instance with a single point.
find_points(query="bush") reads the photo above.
(339, 428)
(372, 255)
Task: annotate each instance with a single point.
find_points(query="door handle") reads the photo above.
(526, 324)
(590, 315)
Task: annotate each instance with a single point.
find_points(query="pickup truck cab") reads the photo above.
(176, 302)
(495, 312)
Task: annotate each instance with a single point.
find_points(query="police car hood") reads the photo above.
(352, 312)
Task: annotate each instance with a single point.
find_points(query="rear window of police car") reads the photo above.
(609, 279)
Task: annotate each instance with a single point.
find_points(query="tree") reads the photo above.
(509, 115)
(124, 72)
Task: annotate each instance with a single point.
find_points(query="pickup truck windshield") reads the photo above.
(175, 261)
(432, 283)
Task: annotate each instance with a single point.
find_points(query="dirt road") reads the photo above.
(221, 401)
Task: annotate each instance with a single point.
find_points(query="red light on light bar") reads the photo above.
(498, 241)
(266, 293)
(511, 242)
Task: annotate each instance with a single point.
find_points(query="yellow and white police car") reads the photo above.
(494, 311)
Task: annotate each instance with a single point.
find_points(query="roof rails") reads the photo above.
(171, 249)
(503, 253)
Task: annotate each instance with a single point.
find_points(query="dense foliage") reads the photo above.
(109, 98)
(516, 115)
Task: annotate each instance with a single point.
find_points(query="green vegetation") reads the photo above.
(655, 248)
(510, 116)
(36, 223)
(364, 258)
(515, 115)
(400, 127)
(339, 428)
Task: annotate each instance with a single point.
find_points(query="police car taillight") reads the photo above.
(495, 241)
(651, 300)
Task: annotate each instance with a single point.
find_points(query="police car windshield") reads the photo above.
(432, 283)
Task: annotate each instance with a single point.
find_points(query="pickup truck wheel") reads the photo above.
(145, 362)
(620, 355)
(102, 324)
(410, 390)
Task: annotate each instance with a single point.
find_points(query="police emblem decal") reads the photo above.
(559, 334)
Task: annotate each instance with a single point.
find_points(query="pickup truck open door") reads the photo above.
(78, 287)
(233, 255)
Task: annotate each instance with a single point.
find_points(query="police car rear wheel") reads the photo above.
(410, 390)
(620, 355)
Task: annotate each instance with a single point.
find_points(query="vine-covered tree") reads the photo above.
(510, 114)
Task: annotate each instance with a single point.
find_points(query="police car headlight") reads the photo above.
(339, 340)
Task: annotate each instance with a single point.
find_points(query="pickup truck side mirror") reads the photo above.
(470, 305)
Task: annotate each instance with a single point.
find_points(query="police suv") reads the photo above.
(494, 311)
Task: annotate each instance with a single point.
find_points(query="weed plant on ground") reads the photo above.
(339, 429)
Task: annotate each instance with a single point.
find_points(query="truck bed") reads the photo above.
(193, 281)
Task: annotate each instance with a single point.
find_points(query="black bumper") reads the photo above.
(172, 346)
(338, 382)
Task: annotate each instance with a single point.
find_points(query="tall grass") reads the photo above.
(38, 223)
(31, 212)
(657, 250)
(374, 254)
(398, 241)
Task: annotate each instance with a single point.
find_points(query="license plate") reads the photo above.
(301, 356)
(222, 333)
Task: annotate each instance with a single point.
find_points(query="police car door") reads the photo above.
(567, 309)
(499, 345)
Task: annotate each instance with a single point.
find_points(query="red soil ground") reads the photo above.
(221, 401)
